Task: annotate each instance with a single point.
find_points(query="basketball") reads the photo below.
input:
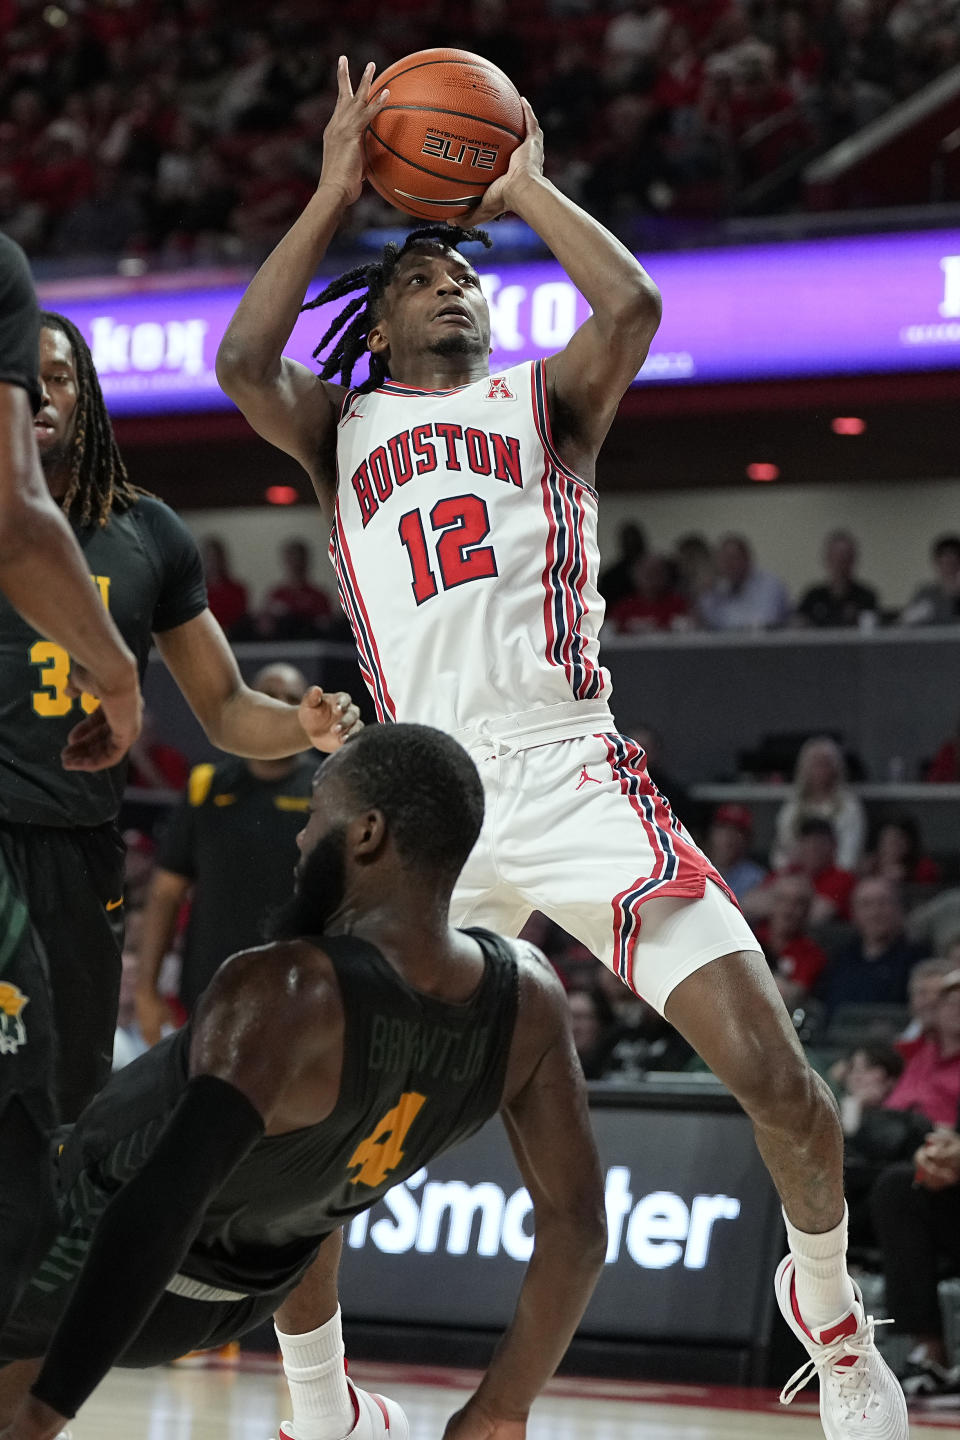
(450, 124)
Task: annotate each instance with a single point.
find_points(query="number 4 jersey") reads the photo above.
(148, 572)
(419, 1076)
(466, 554)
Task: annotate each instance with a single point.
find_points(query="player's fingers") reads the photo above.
(80, 682)
(366, 81)
(376, 104)
(344, 88)
(316, 698)
(533, 123)
(349, 721)
(86, 729)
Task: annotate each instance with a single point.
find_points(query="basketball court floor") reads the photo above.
(246, 1404)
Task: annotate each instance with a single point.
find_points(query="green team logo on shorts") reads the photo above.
(13, 922)
(13, 1033)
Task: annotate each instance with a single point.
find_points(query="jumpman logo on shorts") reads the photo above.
(586, 779)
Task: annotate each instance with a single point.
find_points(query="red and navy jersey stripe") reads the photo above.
(626, 762)
(566, 569)
(356, 612)
(393, 387)
(679, 868)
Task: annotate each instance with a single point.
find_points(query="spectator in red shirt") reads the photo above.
(226, 596)
(680, 80)
(944, 768)
(930, 1083)
(896, 854)
(813, 854)
(923, 995)
(656, 603)
(59, 177)
(795, 959)
(800, 57)
(296, 609)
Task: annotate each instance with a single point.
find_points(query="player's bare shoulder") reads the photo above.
(271, 1018)
(543, 1018)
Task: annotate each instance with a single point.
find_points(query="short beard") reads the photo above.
(458, 344)
(321, 881)
(53, 457)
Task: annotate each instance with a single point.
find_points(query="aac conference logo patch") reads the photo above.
(13, 1034)
(499, 389)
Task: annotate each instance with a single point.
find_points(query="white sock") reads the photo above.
(823, 1287)
(313, 1365)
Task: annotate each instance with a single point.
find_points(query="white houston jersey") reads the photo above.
(466, 553)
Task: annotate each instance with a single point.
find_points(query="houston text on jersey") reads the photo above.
(414, 452)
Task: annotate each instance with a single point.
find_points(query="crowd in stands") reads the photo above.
(193, 128)
(721, 586)
(697, 586)
(295, 609)
(861, 930)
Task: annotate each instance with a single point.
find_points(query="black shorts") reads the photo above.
(27, 1036)
(174, 1327)
(72, 883)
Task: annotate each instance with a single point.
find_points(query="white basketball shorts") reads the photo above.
(577, 830)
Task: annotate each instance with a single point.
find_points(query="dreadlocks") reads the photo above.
(98, 476)
(359, 315)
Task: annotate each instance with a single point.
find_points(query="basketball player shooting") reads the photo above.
(463, 531)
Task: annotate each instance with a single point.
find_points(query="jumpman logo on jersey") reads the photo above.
(499, 389)
(586, 779)
(353, 413)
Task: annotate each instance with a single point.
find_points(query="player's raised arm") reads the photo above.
(588, 379)
(284, 401)
(549, 1129)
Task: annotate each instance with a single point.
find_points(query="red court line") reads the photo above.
(640, 1392)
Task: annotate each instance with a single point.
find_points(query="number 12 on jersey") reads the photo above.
(462, 523)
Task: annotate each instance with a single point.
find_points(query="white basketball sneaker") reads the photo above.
(859, 1395)
(375, 1418)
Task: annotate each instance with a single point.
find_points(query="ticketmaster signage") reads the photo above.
(693, 1228)
(883, 303)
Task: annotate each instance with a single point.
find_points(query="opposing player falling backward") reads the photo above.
(463, 530)
(205, 1187)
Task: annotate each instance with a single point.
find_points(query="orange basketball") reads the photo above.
(450, 124)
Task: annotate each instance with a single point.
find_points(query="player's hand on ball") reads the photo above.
(342, 167)
(328, 720)
(526, 163)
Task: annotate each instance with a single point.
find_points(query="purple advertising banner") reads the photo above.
(877, 304)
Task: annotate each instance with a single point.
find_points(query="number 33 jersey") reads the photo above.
(148, 573)
(466, 553)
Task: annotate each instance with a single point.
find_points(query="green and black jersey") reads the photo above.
(419, 1076)
(146, 566)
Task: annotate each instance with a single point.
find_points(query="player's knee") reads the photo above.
(789, 1097)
